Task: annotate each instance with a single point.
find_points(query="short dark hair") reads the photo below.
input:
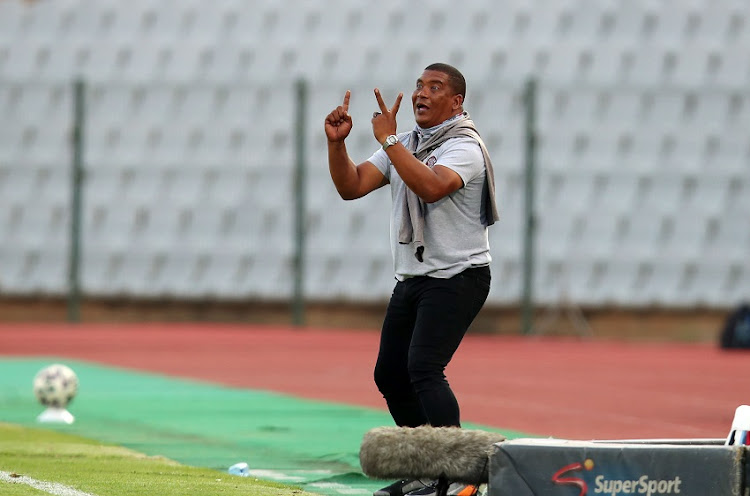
(455, 78)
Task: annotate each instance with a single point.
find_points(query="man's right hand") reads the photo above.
(339, 123)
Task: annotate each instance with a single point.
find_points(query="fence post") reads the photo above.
(298, 299)
(527, 302)
(74, 265)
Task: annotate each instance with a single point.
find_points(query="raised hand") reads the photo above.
(338, 123)
(384, 122)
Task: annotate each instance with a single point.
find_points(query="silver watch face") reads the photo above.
(391, 140)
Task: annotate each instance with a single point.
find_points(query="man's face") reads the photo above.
(434, 100)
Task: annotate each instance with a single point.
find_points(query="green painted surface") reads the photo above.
(309, 443)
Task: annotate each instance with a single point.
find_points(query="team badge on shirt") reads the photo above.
(431, 161)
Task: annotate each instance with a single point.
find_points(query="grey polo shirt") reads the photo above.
(455, 231)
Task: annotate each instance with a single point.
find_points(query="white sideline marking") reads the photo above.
(339, 488)
(289, 478)
(54, 488)
(275, 475)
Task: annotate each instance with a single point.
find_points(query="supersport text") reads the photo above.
(638, 486)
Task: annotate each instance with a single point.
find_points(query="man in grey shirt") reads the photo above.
(442, 188)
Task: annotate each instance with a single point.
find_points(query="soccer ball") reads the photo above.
(55, 386)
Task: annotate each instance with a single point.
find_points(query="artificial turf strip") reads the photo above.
(107, 470)
(308, 443)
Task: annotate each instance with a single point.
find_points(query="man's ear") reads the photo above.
(458, 101)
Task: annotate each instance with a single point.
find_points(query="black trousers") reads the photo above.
(425, 322)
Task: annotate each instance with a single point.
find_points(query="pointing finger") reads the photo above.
(346, 100)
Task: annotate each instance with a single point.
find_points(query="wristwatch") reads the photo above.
(390, 140)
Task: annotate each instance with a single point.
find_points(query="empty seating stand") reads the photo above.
(189, 150)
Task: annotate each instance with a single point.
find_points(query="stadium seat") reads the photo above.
(17, 185)
(110, 228)
(738, 286)
(133, 273)
(649, 64)
(505, 236)
(506, 280)
(664, 283)
(606, 60)
(641, 235)
(709, 285)
(49, 272)
(731, 241)
(36, 125)
(596, 235)
(685, 236)
(734, 66)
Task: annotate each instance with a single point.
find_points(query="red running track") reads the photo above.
(566, 388)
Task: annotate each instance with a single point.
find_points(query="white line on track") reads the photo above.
(54, 488)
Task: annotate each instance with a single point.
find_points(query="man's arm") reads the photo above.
(351, 181)
(429, 184)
